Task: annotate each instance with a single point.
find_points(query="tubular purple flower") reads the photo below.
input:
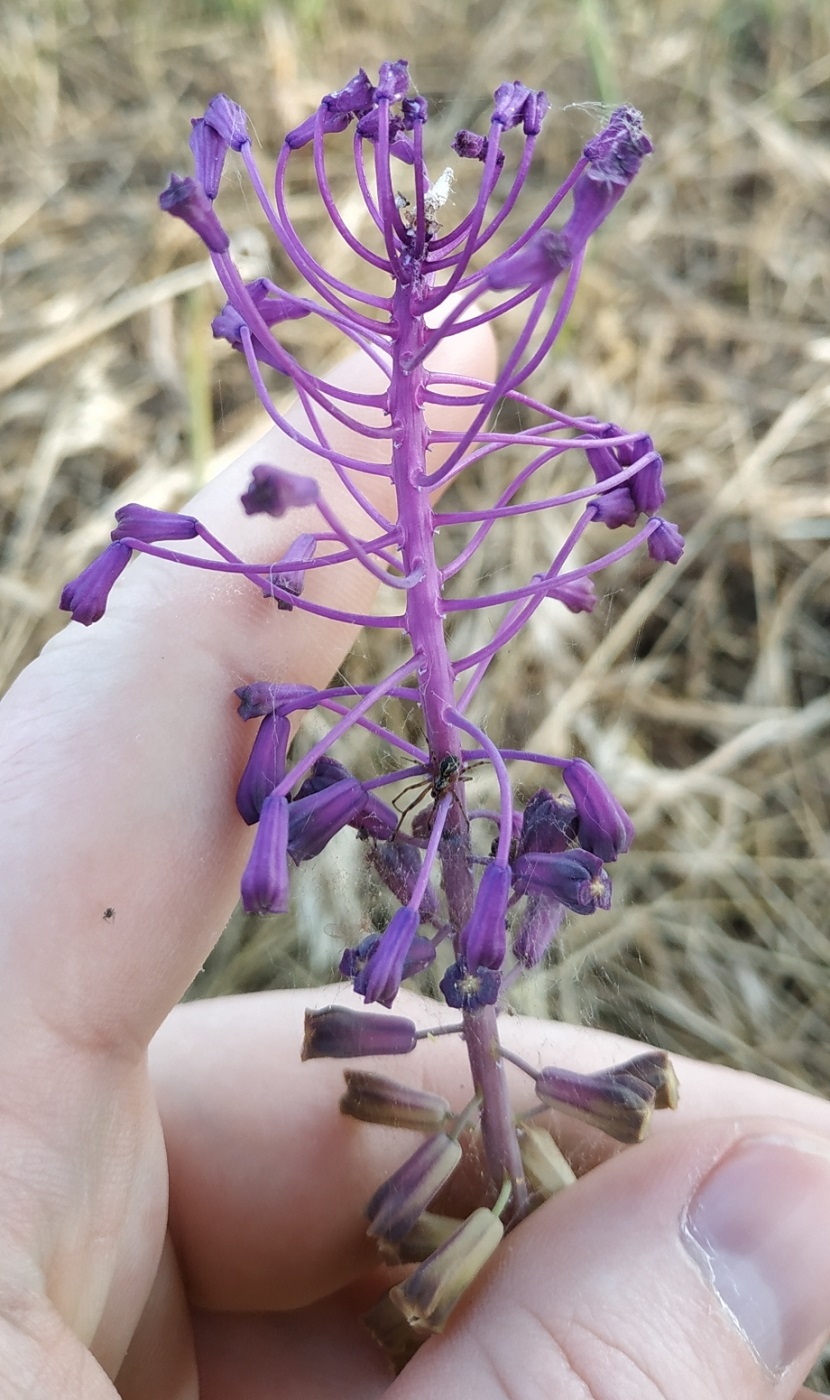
(614, 508)
(548, 823)
(539, 924)
(665, 544)
(396, 1205)
(300, 551)
(274, 492)
(615, 1101)
(137, 522)
(339, 1033)
(186, 199)
(265, 767)
(482, 941)
(228, 120)
(537, 264)
(380, 977)
(603, 825)
(576, 878)
(398, 865)
(86, 596)
(373, 1098)
(315, 819)
(578, 594)
(209, 151)
(393, 81)
(270, 698)
(265, 884)
(431, 1292)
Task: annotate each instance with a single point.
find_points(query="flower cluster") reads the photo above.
(480, 893)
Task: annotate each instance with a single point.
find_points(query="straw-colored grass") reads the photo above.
(700, 692)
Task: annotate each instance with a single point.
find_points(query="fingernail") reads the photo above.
(758, 1228)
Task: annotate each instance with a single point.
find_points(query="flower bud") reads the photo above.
(301, 550)
(269, 698)
(427, 1234)
(314, 820)
(603, 825)
(86, 596)
(578, 594)
(547, 1170)
(339, 1033)
(548, 823)
(379, 979)
(615, 508)
(576, 878)
(482, 941)
(137, 522)
(429, 1295)
(616, 1101)
(274, 491)
(665, 544)
(265, 767)
(399, 1201)
(398, 865)
(538, 263)
(265, 884)
(185, 199)
(375, 1099)
(539, 924)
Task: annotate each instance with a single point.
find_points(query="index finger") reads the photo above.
(121, 749)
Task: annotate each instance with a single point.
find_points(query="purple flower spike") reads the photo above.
(380, 977)
(470, 989)
(482, 941)
(338, 1033)
(143, 523)
(666, 544)
(536, 265)
(87, 595)
(265, 767)
(186, 199)
(604, 826)
(265, 887)
(274, 492)
(315, 819)
(576, 878)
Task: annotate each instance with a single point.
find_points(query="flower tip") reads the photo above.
(273, 491)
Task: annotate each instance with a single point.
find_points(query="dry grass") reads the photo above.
(700, 692)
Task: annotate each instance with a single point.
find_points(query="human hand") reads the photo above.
(120, 749)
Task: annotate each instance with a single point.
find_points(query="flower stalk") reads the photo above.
(482, 893)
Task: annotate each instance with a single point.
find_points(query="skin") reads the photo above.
(120, 750)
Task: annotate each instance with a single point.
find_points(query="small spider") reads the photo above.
(448, 772)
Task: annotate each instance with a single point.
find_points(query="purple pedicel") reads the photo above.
(494, 886)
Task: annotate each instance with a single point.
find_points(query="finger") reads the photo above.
(693, 1266)
(120, 749)
(280, 1222)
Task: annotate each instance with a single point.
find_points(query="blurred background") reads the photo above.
(700, 692)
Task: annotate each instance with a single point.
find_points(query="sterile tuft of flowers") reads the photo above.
(483, 892)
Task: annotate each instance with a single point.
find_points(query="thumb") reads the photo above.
(693, 1266)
